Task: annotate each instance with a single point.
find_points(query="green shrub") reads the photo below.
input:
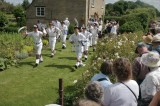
(28, 49)
(45, 42)
(21, 55)
(3, 19)
(71, 29)
(131, 26)
(2, 64)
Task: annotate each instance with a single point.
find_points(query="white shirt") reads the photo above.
(67, 22)
(53, 31)
(151, 84)
(100, 28)
(64, 29)
(119, 95)
(94, 31)
(104, 83)
(76, 39)
(114, 29)
(87, 35)
(36, 36)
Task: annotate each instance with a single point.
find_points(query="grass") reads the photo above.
(24, 85)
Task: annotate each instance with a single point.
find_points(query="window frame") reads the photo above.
(40, 12)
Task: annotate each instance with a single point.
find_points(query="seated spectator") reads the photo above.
(126, 91)
(102, 76)
(139, 69)
(156, 100)
(151, 83)
(94, 91)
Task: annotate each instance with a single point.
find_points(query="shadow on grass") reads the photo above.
(70, 67)
(69, 58)
(26, 63)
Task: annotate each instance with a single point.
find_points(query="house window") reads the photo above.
(93, 3)
(40, 11)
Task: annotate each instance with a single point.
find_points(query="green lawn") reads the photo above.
(24, 85)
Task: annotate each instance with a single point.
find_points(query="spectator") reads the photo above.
(126, 91)
(151, 83)
(94, 91)
(102, 76)
(148, 40)
(139, 69)
(156, 100)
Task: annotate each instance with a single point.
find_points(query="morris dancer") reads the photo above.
(53, 32)
(37, 37)
(86, 46)
(94, 32)
(64, 30)
(77, 38)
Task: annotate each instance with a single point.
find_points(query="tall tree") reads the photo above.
(25, 4)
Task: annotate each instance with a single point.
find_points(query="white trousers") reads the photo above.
(63, 37)
(52, 42)
(38, 48)
(79, 51)
(86, 46)
(94, 40)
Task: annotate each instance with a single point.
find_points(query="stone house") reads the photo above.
(47, 10)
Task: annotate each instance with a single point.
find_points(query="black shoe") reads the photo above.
(35, 65)
(63, 47)
(85, 58)
(76, 66)
(41, 61)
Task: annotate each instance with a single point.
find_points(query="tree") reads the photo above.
(25, 4)
(20, 15)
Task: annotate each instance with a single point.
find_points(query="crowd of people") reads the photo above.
(137, 83)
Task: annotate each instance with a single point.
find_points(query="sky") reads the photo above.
(155, 3)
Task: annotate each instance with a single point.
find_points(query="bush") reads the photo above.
(28, 49)
(131, 26)
(3, 19)
(45, 42)
(71, 29)
(21, 55)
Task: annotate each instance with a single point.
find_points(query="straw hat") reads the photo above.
(151, 59)
(148, 39)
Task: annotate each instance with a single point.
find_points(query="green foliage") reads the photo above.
(122, 7)
(71, 29)
(3, 19)
(12, 47)
(6, 7)
(8, 29)
(20, 16)
(25, 4)
(131, 26)
(45, 42)
(2, 64)
(21, 55)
